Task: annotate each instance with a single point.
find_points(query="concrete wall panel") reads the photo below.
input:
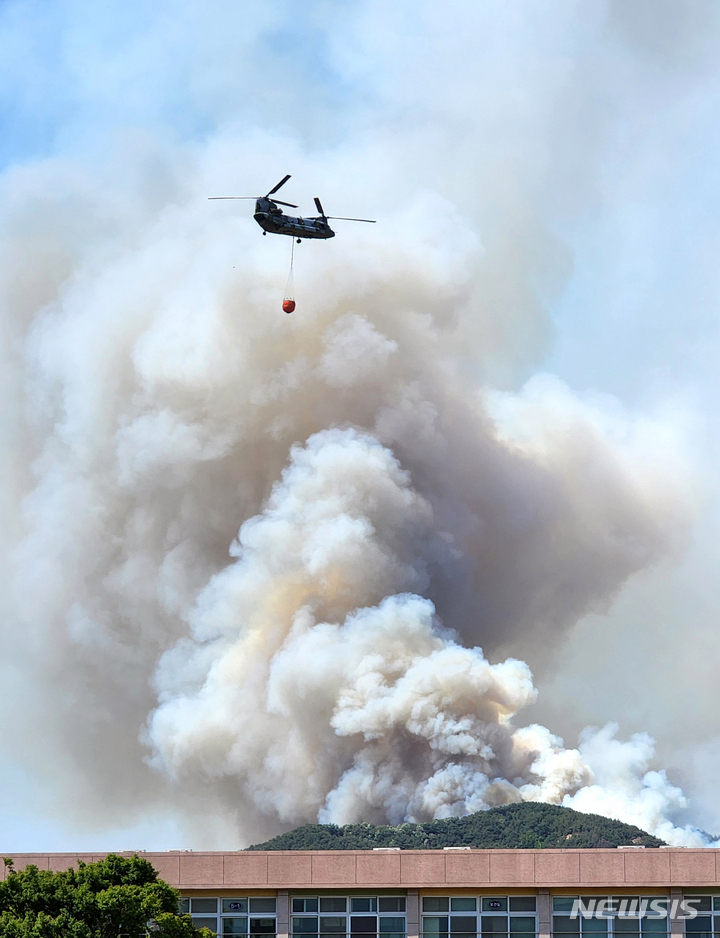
(334, 869)
(201, 869)
(59, 862)
(378, 869)
(423, 868)
(692, 867)
(602, 867)
(289, 869)
(555, 867)
(496, 869)
(512, 867)
(167, 865)
(647, 866)
(245, 869)
(467, 868)
(40, 860)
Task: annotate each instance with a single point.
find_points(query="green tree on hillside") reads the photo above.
(118, 896)
(528, 825)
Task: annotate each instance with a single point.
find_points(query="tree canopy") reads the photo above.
(117, 896)
(527, 824)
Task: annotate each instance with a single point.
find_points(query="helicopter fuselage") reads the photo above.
(271, 218)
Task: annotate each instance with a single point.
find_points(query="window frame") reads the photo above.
(372, 913)
(590, 927)
(221, 914)
(444, 910)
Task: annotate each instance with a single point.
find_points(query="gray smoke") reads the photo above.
(323, 685)
(262, 569)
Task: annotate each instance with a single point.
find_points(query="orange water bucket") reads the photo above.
(288, 306)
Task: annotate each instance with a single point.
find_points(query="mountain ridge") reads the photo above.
(523, 825)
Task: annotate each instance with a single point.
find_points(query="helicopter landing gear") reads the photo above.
(298, 240)
(264, 233)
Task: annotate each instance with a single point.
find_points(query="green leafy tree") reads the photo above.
(118, 896)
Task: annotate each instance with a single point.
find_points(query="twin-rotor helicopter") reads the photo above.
(272, 218)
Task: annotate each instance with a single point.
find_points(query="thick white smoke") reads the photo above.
(323, 686)
(262, 569)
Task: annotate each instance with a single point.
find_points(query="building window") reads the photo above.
(462, 925)
(204, 913)
(302, 904)
(333, 904)
(234, 916)
(203, 906)
(494, 905)
(262, 926)
(522, 903)
(391, 926)
(363, 904)
(235, 906)
(368, 916)
(263, 904)
(702, 925)
(205, 921)
(436, 904)
(391, 904)
(500, 916)
(624, 916)
(234, 926)
(333, 925)
(702, 903)
(699, 927)
(305, 925)
(435, 925)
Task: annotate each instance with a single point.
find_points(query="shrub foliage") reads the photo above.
(118, 896)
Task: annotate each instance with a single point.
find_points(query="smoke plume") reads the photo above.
(322, 682)
(262, 570)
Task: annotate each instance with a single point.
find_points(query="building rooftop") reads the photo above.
(417, 869)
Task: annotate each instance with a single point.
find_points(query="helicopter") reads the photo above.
(272, 219)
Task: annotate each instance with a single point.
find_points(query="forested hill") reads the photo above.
(527, 824)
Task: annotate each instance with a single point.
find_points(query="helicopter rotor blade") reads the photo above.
(281, 183)
(318, 206)
(252, 198)
(370, 221)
